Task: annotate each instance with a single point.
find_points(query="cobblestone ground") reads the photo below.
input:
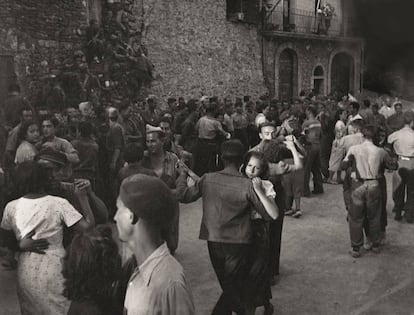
(318, 276)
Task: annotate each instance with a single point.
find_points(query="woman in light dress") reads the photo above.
(28, 136)
(43, 217)
(337, 153)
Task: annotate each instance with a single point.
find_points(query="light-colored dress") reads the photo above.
(25, 152)
(39, 277)
(337, 152)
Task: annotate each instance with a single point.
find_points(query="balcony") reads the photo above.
(309, 23)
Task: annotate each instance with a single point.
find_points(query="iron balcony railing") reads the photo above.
(306, 22)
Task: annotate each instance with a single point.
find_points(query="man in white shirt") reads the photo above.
(158, 286)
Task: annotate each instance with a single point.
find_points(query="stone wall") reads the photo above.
(40, 35)
(311, 52)
(196, 51)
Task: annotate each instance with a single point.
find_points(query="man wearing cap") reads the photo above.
(158, 285)
(164, 165)
(228, 198)
(403, 180)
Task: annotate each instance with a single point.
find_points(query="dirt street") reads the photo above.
(318, 276)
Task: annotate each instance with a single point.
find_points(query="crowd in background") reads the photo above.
(66, 172)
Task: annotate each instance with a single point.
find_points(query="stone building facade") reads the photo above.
(35, 39)
(305, 50)
(184, 47)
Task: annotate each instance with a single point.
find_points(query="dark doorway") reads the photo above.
(342, 74)
(7, 75)
(288, 71)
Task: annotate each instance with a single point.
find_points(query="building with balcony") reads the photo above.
(310, 44)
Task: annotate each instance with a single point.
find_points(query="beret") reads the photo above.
(149, 198)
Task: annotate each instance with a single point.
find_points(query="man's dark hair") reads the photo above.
(357, 123)
(408, 118)
(367, 103)
(171, 100)
(266, 124)
(246, 98)
(232, 152)
(52, 119)
(192, 105)
(14, 87)
(375, 105)
(313, 110)
(369, 132)
(123, 106)
(85, 129)
(133, 153)
(29, 177)
(165, 119)
(91, 266)
(355, 105)
(25, 109)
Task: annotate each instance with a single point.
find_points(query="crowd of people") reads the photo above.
(67, 176)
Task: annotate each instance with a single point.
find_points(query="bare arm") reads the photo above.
(268, 203)
(88, 220)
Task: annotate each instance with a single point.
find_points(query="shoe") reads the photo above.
(317, 192)
(306, 194)
(398, 217)
(355, 253)
(376, 249)
(368, 245)
(273, 280)
(289, 212)
(297, 214)
(268, 309)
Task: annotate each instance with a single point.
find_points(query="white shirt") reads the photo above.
(158, 286)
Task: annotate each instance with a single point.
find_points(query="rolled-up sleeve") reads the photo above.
(186, 194)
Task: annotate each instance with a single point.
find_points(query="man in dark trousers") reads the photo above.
(228, 199)
(368, 162)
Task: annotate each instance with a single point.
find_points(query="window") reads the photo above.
(246, 11)
(7, 74)
(94, 10)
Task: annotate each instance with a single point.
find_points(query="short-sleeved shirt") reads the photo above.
(370, 159)
(158, 286)
(240, 121)
(63, 145)
(25, 152)
(45, 215)
(403, 142)
(88, 156)
(115, 139)
(269, 192)
(208, 128)
(312, 129)
(169, 173)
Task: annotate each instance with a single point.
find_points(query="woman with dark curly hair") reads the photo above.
(42, 217)
(92, 267)
(28, 136)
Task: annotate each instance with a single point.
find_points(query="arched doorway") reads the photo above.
(288, 74)
(319, 80)
(342, 73)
